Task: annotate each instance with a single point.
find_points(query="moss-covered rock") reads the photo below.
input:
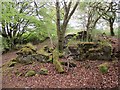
(94, 50)
(12, 63)
(46, 49)
(61, 55)
(26, 59)
(28, 49)
(29, 45)
(90, 50)
(104, 67)
(85, 46)
(29, 54)
(30, 73)
(43, 58)
(43, 52)
(50, 59)
(43, 71)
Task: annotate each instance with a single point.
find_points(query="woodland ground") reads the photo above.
(86, 74)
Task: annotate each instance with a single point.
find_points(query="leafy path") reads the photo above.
(86, 74)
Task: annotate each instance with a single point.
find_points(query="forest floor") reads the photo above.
(85, 74)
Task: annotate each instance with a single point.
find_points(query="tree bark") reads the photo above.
(111, 29)
(61, 29)
(61, 38)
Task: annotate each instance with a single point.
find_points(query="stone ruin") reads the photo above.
(81, 36)
(77, 49)
(90, 50)
(28, 54)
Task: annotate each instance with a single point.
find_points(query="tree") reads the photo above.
(92, 15)
(61, 27)
(16, 17)
(108, 12)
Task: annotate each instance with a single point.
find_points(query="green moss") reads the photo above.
(57, 64)
(43, 71)
(19, 74)
(73, 42)
(30, 73)
(94, 50)
(104, 67)
(29, 45)
(61, 55)
(41, 51)
(105, 43)
(50, 59)
(46, 48)
(27, 50)
(12, 63)
(87, 43)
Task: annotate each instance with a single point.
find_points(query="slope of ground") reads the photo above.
(86, 74)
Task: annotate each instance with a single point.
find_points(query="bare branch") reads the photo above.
(73, 10)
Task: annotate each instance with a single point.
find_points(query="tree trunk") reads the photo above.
(61, 29)
(61, 39)
(111, 29)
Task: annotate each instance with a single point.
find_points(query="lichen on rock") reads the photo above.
(12, 63)
(30, 73)
(43, 71)
(28, 59)
(28, 49)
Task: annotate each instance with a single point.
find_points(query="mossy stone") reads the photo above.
(28, 49)
(26, 59)
(103, 67)
(30, 73)
(29, 45)
(61, 55)
(50, 59)
(43, 71)
(46, 49)
(12, 63)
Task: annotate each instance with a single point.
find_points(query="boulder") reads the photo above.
(28, 59)
(29, 54)
(25, 59)
(41, 57)
(90, 50)
(74, 52)
(27, 49)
